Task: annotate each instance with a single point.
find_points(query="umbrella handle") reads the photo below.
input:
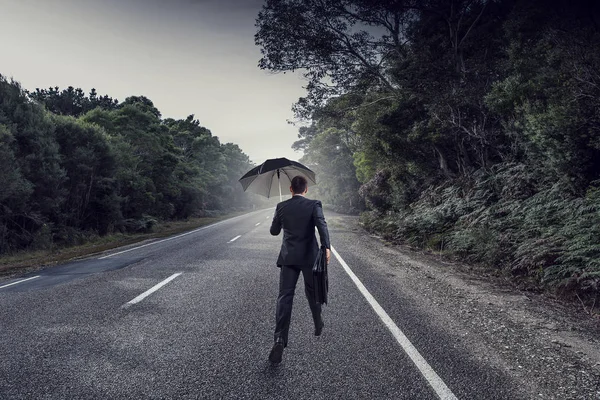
(279, 181)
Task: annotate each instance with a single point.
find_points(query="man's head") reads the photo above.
(299, 185)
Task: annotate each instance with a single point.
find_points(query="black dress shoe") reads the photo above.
(319, 328)
(276, 353)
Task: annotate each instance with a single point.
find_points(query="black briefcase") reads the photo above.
(320, 279)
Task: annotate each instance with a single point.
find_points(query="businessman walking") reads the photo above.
(298, 218)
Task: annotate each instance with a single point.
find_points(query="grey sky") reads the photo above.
(188, 56)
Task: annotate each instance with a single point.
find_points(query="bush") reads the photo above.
(142, 225)
(509, 219)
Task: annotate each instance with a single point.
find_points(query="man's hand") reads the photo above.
(328, 255)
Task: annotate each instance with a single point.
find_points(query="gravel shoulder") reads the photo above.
(551, 349)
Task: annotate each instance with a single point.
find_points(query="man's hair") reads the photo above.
(299, 184)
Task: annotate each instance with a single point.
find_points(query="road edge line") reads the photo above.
(436, 383)
(178, 236)
(21, 281)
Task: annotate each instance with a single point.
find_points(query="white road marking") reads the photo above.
(440, 388)
(171, 238)
(257, 224)
(235, 238)
(21, 281)
(268, 216)
(152, 289)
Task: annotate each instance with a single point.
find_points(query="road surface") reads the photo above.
(192, 317)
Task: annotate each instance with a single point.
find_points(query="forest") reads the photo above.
(465, 127)
(76, 165)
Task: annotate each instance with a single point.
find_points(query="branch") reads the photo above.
(351, 50)
(473, 24)
(367, 104)
(374, 21)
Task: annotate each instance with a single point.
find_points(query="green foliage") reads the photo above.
(504, 219)
(577, 265)
(145, 224)
(92, 201)
(14, 186)
(37, 176)
(330, 158)
(471, 126)
(365, 163)
(72, 101)
(75, 166)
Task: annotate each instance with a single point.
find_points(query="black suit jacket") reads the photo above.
(298, 218)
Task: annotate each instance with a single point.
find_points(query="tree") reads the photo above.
(30, 134)
(91, 201)
(14, 195)
(428, 52)
(73, 165)
(471, 124)
(71, 101)
(334, 43)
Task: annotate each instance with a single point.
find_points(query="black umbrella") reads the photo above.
(267, 178)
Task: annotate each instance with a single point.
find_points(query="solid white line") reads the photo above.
(235, 238)
(430, 375)
(21, 281)
(257, 224)
(171, 238)
(153, 289)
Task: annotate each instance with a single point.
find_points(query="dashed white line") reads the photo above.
(235, 238)
(152, 289)
(21, 281)
(257, 224)
(437, 384)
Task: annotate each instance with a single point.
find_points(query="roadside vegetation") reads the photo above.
(91, 171)
(470, 127)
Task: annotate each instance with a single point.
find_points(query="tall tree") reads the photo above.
(71, 101)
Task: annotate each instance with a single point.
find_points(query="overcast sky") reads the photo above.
(188, 56)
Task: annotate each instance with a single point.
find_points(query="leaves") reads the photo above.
(92, 164)
(470, 126)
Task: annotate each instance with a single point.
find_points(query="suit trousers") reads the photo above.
(288, 277)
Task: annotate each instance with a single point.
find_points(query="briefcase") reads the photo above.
(320, 279)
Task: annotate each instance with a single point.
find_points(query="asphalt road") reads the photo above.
(89, 329)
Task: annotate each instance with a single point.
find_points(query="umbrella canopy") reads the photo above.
(268, 178)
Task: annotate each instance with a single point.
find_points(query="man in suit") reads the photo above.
(298, 218)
